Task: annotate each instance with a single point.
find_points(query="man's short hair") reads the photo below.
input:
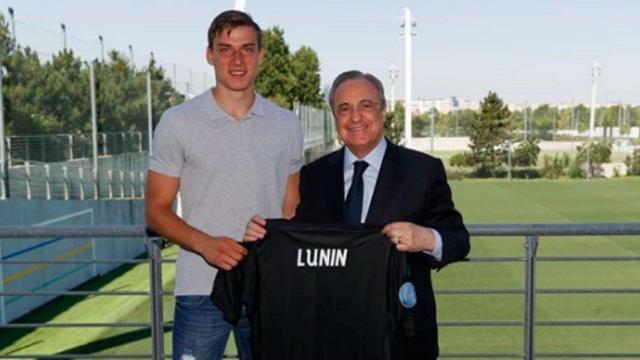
(352, 75)
(229, 20)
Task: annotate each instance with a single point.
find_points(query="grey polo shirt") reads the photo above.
(228, 170)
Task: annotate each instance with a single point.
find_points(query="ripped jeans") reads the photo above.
(200, 332)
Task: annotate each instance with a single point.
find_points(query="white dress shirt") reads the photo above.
(369, 178)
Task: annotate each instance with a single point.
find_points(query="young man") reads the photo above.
(230, 153)
(375, 182)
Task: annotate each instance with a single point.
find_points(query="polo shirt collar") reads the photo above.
(217, 113)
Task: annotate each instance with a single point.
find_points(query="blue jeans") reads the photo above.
(200, 332)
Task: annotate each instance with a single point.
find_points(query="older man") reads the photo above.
(372, 181)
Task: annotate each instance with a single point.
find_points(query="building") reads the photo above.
(443, 105)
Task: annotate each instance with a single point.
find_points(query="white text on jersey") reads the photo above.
(322, 257)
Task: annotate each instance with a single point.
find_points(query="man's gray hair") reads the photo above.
(356, 74)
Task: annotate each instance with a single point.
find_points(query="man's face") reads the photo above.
(235, 57)
(359, 115)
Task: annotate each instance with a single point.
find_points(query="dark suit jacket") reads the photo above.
(411, 186)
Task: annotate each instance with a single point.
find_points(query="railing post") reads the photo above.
(81, 180)
(27, 149)
(27, 180)
(9, 152)
(110, 180)
(59, 156)
(105, 150)
(42, 150)
(70, 137)
(96, 193)
(47, 181)
(142, 184)
(65, 181)
(133, 188)
(121, 184)
(531, 246)
(154, 245)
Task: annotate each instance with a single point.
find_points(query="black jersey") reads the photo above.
(315, 292)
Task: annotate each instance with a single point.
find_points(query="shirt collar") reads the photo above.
(258, 106)
(217, 113)
(373, 158)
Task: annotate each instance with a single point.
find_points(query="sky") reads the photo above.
(527, 51)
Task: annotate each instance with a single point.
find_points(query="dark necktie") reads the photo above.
(353, 204)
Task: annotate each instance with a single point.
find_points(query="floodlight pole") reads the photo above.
(526, 119)
(4, 193)
(408, 24)
(101, 47)
(149, 109)
(64, 35)
(432, 117)
(94, 127)
(240, 5)
(595, 73)
(131, 55)
(393, 76)
(175, 83)
(13, 25)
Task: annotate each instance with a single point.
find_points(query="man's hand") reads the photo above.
(410, 237)
(221, 251)
(255, 229)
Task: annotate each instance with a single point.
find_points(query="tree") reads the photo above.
(542, 120)
(22, 80)
(599, 152)
(394, 124)
(120, 94)
(20, 83)
(53, 97)
(633, 163)
(163, 94)
(555, 166)
(276, 79)
(489, 133)
(594, 154)
(526, 153)
(464, 159)
(582, 117)
(465, 118)
(63, 94)
(420, 124)
(306, 70)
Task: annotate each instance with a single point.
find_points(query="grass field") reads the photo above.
(480, 201)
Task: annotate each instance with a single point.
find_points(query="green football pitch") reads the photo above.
(480, 201)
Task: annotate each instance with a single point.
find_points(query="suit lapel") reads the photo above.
(335, 185)
(388, 184)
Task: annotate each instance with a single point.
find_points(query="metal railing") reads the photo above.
(65, 147)
(57, 166)
(319, 130)
(77, 180)
(531, 232)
